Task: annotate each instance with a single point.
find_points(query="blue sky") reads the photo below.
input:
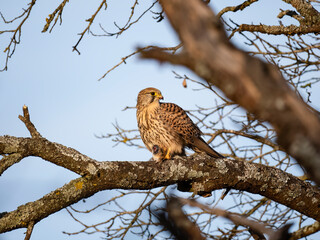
(69, 106)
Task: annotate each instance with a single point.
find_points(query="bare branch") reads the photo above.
(29, 230)
(122, 136)
(50, 151)
(305, 231)
(129, 23)
(90, 20)
(292, 14)
(236, 8)
(247, 135)
(123, 60)
(278, 30)
(26, 120)
(8, 160)
(15, 39)
(310, 14)
(35, 211)
(57, 13)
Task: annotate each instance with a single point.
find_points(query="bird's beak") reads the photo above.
(160, 96)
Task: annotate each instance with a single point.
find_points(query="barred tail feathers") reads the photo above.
(201, 145)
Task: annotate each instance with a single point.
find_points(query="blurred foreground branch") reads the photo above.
(253, 84)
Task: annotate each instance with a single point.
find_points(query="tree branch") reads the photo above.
(15, 39)
(8, 160)
(56, 14)
(255, 85)
(90, 21)
(178, 223)
(55, 153)
(124, 59)
(29, 230)
(305, 8)
(256, 227)
(205, 174)
(257, 138)
(305, 231)
(236, 8)
(277, 30)
(26, 120)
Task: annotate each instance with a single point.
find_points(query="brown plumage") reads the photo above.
(166, 129)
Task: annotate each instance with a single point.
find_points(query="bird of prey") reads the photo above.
(166, 129)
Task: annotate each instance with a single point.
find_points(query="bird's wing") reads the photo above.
(175, 118)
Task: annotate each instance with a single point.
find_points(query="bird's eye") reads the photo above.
(153, 93)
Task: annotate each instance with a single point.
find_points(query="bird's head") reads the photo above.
(148, 96)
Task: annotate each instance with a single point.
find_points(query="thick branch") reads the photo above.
(278, 30)
(311, 15)
(204, 173)
(305, 231)
(255, 85)
(50, 151)
(8, 160)
(35, 211)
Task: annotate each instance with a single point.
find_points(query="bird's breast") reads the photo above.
(147, 116)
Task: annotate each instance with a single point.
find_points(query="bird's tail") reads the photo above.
(201, 145)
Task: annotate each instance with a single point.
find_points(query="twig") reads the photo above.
(236, 8)
(15, 39)
(26, 120)
(123, 60)
(129, 23)
(292, 14)
(51, 16)
(257, 138)
(90, 20)
(29, 230)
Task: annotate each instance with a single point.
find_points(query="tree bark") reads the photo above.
(203, 172)
(253, 84)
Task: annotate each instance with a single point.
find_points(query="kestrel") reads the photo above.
(166, 129)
